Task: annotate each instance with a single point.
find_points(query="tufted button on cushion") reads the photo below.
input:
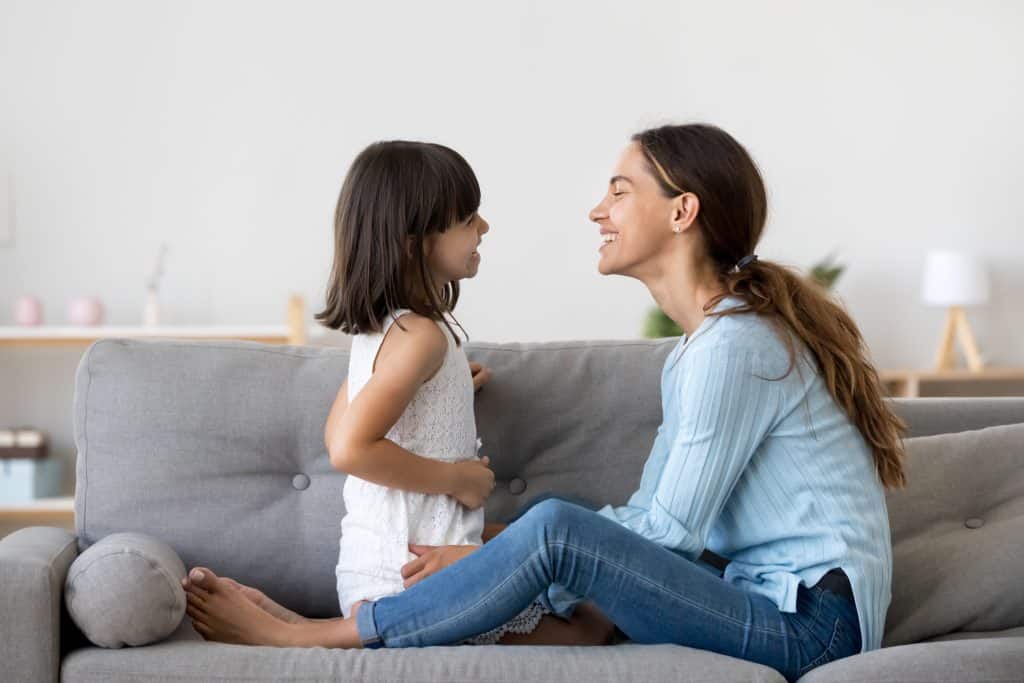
(974, 523)
(300, 482)
(516, 486)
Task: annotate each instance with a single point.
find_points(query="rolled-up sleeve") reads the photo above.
(721, 407)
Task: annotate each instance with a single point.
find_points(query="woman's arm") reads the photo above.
(721, 411)
(355, 433)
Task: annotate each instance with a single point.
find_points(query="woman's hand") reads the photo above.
(431, 559)
(473, 482)
(481, 375)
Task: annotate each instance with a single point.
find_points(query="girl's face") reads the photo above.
(635, 217)
(452, 255)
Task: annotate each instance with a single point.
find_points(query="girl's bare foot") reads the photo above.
(223, 613)
(257, 597)
(220, 612)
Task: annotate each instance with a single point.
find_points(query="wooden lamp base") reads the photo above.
(958, 328)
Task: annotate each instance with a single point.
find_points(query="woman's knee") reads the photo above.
(554, 514)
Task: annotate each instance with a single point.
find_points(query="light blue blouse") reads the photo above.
(769, 474)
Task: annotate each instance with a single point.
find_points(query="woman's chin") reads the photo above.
(605, 266)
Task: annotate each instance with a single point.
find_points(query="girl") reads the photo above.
(402, 427)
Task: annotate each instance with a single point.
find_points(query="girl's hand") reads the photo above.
(481, 375)
(474, 481)
(431, 559)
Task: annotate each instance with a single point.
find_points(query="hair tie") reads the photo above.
(744, 262)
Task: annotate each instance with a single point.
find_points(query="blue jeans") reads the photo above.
(650, 593)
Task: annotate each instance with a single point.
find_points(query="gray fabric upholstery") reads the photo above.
(33, 564)
(993, 660)
(958, 558)
(928, 416)
(126, 590)
(969, 635)
(186, 658)
(199, 444)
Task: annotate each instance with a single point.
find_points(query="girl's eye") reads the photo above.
(617, 194)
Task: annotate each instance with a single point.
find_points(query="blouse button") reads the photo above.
(300, 482)
(516, 486)
(974, 523)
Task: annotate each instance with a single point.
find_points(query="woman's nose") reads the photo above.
(598, 213)
(485, 227)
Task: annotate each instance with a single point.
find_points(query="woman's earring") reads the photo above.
(677, 229)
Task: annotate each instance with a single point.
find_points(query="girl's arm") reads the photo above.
(355, 433)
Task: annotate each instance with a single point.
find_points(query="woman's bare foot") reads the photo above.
(257, 597)
(223, 613)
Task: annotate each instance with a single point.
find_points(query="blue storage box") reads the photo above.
(22, 480)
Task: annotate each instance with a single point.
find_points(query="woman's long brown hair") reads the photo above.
(711, 164)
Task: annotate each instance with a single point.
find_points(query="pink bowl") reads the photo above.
(28, 311)
(85, 311)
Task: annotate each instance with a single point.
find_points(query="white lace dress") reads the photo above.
(381, 522)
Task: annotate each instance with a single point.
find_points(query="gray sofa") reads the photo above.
(217, 449)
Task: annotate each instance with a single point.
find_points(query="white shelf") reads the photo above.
(67, 333)
(42, 509)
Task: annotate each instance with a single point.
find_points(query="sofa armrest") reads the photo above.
(33, 565)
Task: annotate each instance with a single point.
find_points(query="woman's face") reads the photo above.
(635, 217)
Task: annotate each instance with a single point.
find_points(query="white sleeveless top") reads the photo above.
(380, 522)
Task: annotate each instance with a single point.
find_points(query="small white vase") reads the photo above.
(151, 311)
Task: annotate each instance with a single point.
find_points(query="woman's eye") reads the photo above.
(617, 194)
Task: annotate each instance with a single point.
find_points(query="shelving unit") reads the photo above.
(294, 332)
(60, 511)
(960, 382)
(44, 511)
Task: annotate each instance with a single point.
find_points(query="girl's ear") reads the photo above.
(410, 246)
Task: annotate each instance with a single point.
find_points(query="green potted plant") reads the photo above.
(658, 325)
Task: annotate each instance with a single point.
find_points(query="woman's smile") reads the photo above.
(607, 238)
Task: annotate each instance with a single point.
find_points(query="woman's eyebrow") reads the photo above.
(616, 178)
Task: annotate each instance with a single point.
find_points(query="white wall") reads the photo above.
(224, 129)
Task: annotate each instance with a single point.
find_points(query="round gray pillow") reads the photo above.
(126, 590)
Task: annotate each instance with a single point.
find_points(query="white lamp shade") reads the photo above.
(954, 278)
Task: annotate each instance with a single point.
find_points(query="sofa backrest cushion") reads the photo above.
(958, 535)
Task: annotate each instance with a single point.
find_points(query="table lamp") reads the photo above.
(955, 280)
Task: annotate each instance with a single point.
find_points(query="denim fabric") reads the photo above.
(652, 594)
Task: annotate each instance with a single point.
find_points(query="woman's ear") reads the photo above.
(685, 208)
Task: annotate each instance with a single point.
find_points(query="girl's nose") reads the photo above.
(598, 213)
(485, 227)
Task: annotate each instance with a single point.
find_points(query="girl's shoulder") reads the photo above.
(411, 338)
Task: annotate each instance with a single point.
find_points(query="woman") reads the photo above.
(774, 453)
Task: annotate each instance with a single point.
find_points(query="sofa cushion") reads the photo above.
(957, 529)
(960, 661)
(126, 590)
(185, 657)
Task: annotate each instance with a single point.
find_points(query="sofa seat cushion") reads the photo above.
(953, 661)
(185, 657)
(975, 635)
